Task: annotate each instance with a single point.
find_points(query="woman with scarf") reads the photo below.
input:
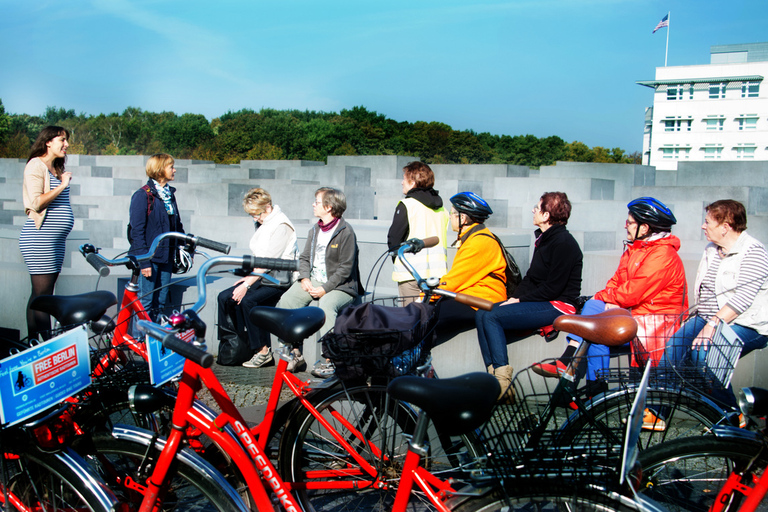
(153, 211)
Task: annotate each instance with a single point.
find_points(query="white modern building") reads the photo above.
(712, 112)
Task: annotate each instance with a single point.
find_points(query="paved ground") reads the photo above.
(248, 388)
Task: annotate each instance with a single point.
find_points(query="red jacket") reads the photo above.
(650, 279)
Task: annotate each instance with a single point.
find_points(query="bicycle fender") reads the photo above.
(105, 496)
(185, 456)
(615, 394)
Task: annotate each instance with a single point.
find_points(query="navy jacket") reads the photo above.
(145, 228)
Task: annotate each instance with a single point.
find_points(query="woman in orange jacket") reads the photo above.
(478, 268)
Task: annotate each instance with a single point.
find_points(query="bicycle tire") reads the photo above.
(690, 416)
(189, 489)
(687, 474)
(541, 499)
(43, 481)
(387, 423)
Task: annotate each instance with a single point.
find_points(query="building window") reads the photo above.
(745, 152)
(672, 124)
(750, 89)
(717, 90)
(715, 123)
(747, 121)
(675, 152)
(675, 92)
(712, 151)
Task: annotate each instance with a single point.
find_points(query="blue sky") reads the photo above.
(541, 67)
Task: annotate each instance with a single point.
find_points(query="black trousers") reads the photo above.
(233, 317)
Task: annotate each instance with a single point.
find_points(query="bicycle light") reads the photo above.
(753, 401)
(56, 433)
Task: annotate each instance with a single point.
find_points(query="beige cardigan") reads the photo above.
(37, 181)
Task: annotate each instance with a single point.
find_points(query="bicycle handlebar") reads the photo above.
(414, 245)
(171, 341)
(99, 262)
(213, 245)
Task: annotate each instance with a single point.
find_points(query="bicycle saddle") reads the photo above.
(612, 328)
(456, 406)
(75, 309)
(292, 326)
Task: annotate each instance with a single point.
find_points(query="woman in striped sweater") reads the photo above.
(731, 287)
(43, 238)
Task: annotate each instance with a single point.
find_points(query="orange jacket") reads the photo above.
(478, 268)
(650, 278)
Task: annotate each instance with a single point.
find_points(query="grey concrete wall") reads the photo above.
(210, 199)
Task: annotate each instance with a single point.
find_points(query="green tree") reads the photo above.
(5, 124)
(578, 152)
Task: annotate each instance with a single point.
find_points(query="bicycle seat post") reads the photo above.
(418, 444)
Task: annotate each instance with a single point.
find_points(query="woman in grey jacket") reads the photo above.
(328, 269)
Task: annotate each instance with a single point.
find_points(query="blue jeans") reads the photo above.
(522, 316)
(153, 291)
(598, 356)
(681, 352)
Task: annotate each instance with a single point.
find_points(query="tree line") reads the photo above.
(290, 135)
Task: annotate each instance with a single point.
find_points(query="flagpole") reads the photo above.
(666, 51)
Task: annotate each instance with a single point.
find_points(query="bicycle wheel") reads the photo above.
(327, 478)
(687, 415)
(189, 488)
(43, 481)
(687, 474)
(539, 499)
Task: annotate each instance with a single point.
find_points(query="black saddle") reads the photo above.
(292, 326)
(75, 309)
(456, 406)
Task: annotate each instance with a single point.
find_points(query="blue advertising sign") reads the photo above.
(165, 364)
(44, 375)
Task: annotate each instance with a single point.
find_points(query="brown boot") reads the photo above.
(504, 375)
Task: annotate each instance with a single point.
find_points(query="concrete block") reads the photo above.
(101, 172)
(360, 202)
(124, 187)
(602, 189)
(261, 174)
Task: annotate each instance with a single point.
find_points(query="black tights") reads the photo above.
(39, 323)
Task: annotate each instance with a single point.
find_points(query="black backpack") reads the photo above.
(512, 271)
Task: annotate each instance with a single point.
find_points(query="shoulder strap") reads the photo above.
(150, 199)
(501, 247)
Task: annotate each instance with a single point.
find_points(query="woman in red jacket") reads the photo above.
(650, 280)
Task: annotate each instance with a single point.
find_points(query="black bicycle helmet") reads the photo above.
(471, 204)
(647, 210)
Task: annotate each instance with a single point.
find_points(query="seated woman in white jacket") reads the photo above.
(275, 237)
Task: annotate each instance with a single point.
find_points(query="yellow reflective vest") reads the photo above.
(424, 222)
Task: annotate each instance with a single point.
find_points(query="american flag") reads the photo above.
(663, 23)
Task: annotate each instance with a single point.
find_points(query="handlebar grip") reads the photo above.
(213, 245)
(97, 264)
(471, 300)
(431, 241)
(252, 262)
(191, 352)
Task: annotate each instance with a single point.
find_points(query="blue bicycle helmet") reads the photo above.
(471, 204)
(647, 210)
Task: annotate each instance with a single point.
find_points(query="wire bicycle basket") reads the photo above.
(525, 440)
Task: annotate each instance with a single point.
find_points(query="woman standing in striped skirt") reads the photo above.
(46, 203)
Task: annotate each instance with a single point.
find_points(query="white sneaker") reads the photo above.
(258, 360)
(297, 363)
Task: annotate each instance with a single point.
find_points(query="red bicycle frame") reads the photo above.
(247, 450)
